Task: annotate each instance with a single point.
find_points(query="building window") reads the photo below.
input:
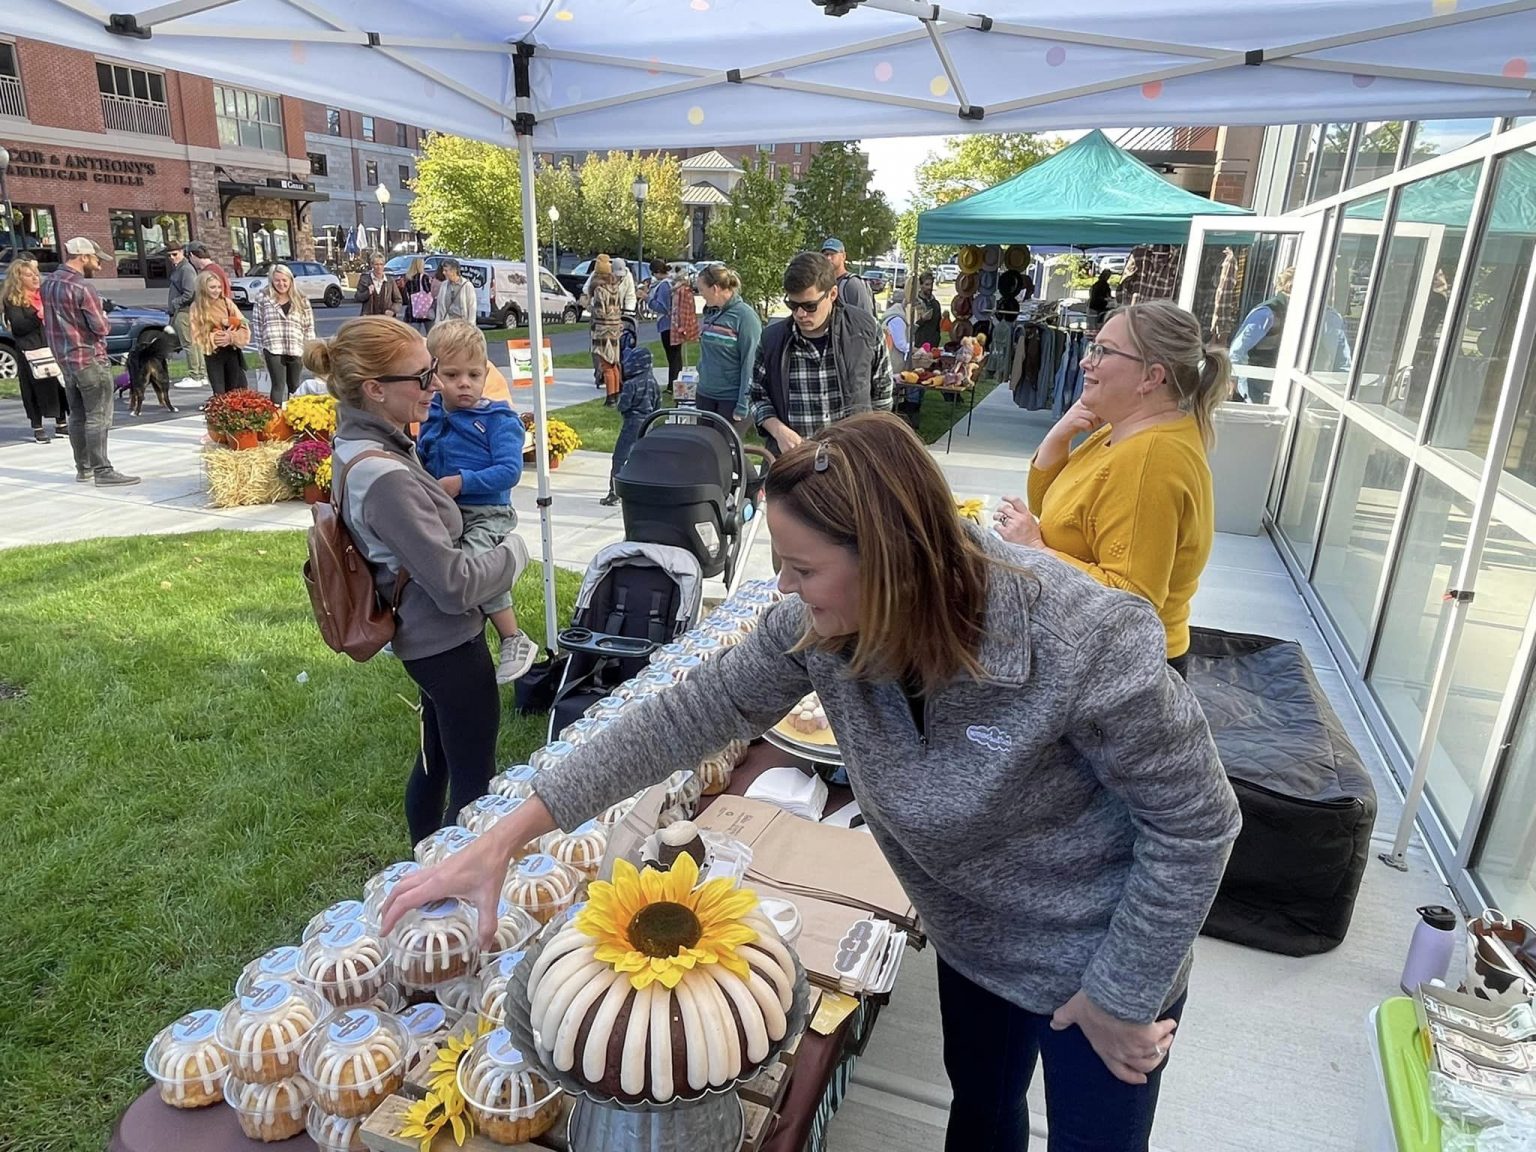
(1437, 137)
(261, 241)
(1376, 151)
(799, 148)
(765, 148)
(12, 101)
(773, 170)
(36, 231)
(371, 173)
(795, 170)
(402, 136)
(317, 164)
(368, 128)
(333, 121)
(248, 119)
(405, 174)
(133, 100)
(1316, 428)
(139, 241)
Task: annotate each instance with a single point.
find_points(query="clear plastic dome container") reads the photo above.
(335, 1133)
(582, 731)
(616, 813)
(510, 1101)
(680, 670)
(608, 706)
(581, 848)
(648, 683)
(428, 1023)
(434, 944)
(707, 645)
(390, 999)
(262, 1032)
(515, 926)
(185, 1060)
(443, 843)
(486, 812)
(345, 964)
(281, 963)
(516, 782)
(458, 996)
(338, 913)
(551, 754)
(541, 886)
(667, 653)
(379, 889)
(354, 1060)
(269, 1111)
(683, 791)
(491, 995)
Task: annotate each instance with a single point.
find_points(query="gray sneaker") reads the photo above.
(83, 477)
(517, 656)
(114, 479)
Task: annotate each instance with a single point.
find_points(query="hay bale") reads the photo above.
(243, 478)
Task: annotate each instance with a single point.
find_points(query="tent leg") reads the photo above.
(540, 410)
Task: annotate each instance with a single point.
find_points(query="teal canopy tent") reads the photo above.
(1090, 194)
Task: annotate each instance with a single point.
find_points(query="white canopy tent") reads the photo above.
(569, 75)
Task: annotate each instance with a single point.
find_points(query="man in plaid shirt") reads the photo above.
(820, 364)
(77, 329)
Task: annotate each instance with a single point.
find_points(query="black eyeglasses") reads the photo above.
(1094, 352)
(806, 306)
(423, 379)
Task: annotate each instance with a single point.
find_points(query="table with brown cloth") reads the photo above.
(815, 1085)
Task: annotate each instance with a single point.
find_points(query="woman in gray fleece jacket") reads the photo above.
(401, 518)
(1045, 789)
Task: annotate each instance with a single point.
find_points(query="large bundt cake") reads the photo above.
(661, 987)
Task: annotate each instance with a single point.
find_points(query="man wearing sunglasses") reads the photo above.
(821, 363)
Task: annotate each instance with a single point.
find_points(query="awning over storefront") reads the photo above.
(232, 190)
(1089, 194)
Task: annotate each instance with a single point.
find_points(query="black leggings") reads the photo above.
(674, 359)
(285, 373)
(226, 369)
(460, 717)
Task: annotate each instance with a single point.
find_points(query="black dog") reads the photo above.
(147, 367)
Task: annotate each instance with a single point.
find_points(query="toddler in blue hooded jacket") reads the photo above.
(474, 446)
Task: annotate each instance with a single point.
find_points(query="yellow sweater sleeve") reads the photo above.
(1041, 479)
(1134, 522)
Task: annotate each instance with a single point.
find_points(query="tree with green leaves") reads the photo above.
(468, 197)
(609, 218)
(757, 233)
(556, 186)
(834, 199)
(964, 165)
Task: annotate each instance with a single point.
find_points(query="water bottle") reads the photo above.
(1429, 953)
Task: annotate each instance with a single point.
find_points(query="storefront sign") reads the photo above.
(76, 167)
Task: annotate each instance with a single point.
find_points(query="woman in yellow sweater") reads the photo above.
(1132, 506)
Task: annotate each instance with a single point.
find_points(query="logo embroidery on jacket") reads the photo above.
(991, 738)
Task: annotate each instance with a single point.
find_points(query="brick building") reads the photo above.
(158, 157)
(348, 156)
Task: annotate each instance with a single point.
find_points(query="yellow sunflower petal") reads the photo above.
(643, 979)
(715, 904)
(653, 886)
(670, 977)
(460, 1130)
(731, 936)
(682, 880)
(628, 889)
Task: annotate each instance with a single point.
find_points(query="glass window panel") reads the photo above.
(1506, 860)
(1409, 316)
(371, 172)
(157, 88)
(367, 127)
(1376, 151)
(1316, 428)
(1412, 631)
(120, 83)
(1367, 493)
(141, 84)
(125, 238)
(104, 79)
(1437, 137)
(229, 134)
(1485, 329)
(272, 137)
(1343, 302)
(1332, 153)
(1301, 166)
(1241, 297)
(8, 60)
(333, 121)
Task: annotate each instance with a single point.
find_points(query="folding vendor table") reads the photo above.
(969, 392)
(817, 1085)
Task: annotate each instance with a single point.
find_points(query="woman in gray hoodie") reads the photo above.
(1044, 787)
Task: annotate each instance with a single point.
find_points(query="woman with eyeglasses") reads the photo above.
(1132, 505)
(1043, 786)
(408, 529)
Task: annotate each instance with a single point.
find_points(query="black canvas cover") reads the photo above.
(1307, 800)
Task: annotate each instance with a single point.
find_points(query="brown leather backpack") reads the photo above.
(353, 618)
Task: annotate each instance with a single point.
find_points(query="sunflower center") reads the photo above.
(663, 928)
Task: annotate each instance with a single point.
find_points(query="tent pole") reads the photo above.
(540, 407)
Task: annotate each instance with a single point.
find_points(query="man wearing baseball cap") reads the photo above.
(76, 325)
(851, 289)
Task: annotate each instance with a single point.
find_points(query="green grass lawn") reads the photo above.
(178, 802)
(10, 389)
(598, 425)
(494, 334)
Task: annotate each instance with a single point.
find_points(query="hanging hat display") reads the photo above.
(992, 256)
(1017, 257)
(966, 283)
(961, 306)
(1010, 283)
(969, 259)
(961, 330)
(988, 280)
(985, 303)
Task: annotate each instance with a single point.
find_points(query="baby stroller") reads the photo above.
(634, 598)
(691, 483)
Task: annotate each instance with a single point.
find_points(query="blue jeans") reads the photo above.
(990, 1050)
(629, 432)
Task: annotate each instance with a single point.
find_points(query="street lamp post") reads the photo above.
(641, 190)
(554, 242)
(381, 194)
(5, 202)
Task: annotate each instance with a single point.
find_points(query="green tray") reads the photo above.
(1406, 1073)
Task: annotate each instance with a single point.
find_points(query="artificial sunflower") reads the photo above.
(656, 926)
(444, 1071)
(423, 1121)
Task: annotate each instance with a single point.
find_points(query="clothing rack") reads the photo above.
(1045, 360)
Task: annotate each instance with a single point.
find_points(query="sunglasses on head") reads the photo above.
(423, 379)
(806, 306)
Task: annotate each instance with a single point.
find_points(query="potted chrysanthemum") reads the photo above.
(306, 469)
(239, 417)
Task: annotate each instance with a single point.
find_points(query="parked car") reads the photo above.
(946, 273)
(128, 325)
(502, 290)
(576, 279)
(1115, 263)
(878, 279)
(47, 258)
(318, 283)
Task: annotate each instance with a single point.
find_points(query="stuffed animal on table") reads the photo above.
(967, 358)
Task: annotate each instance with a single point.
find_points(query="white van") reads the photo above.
(502, 289)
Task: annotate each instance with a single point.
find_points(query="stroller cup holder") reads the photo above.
(602, 644)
